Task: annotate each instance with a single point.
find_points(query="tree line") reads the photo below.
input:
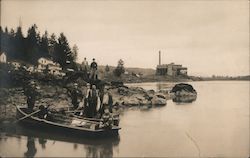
(34, 46)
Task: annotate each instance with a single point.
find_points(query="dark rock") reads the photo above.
(123, 91)
(183, 86)
(183, 89)
(161, 96)
(151, 91)
(117, 83)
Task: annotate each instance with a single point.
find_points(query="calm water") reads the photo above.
(216, 124)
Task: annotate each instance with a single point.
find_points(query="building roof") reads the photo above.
(44, 58)
(162, 66)
(182, 68)
(2, 53)
(174, 66)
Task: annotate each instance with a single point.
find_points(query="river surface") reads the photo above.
(216, 124)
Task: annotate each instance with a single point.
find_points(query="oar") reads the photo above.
(27, 116)
(74, 111)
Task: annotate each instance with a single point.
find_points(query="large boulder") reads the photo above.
(183, 89)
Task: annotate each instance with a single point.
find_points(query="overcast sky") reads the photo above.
(208, 37)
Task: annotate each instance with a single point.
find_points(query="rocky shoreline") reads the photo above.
(54, 92)
(56, 96)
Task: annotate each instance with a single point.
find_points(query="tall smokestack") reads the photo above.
(159, 57)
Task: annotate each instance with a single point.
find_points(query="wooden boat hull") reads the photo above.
(48, 126)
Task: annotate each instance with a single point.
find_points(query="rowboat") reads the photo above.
(72, 126)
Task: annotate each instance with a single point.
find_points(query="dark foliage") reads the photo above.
(29, 49)
(119, 70)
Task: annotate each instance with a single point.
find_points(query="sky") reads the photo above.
(207, 37)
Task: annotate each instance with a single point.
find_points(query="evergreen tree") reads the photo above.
(11, 45)
(52, 43)
(119, 70)
(107, 68)
(19, 44)
(44, 45)
(1, 37)
(32, 48)
(5, 40)
(63, 54)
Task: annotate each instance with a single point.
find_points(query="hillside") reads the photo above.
(143, 71)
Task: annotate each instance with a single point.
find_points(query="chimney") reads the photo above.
(159, 57)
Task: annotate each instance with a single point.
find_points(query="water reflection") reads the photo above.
(42, 142)
(184, 99)
(31, 148)
(164, 86)
(160, 86)
(89, 147)
(103, 149)
(75, 146)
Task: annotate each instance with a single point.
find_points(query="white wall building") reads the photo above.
(16, 64)
(53, 67)
(3, 57)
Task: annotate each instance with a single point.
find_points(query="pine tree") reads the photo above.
(32, 47)
(19, 44)
(1, 37)
(107, 68)
(119, 70)
(63, 54)
(52, 43)
(44, 45)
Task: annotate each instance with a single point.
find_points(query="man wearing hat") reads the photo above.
(93, 102)
(76, 96)
(31, 93)
(87, 92)
(93, 67)
(85, 68)
(107, 119)
(107, 101)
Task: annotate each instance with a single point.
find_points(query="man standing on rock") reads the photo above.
(85, 67)
(93, 67)
(31, 93)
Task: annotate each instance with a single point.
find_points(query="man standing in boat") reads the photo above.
(30, 91)
(107, 101)
(93, 101)
(85, 100)
(76, 96)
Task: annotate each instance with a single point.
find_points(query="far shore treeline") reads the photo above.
(35, 45)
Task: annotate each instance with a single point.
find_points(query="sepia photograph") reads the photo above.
(125, 78)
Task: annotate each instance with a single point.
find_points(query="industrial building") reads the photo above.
(170, 69)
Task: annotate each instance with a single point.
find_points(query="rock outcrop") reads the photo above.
(183, 89)
(136, 96)
(183, 93)
(57, 97)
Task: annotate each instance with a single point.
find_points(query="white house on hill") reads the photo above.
(3, 57)
(16, 64)
(43, 62)
(53, 67)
